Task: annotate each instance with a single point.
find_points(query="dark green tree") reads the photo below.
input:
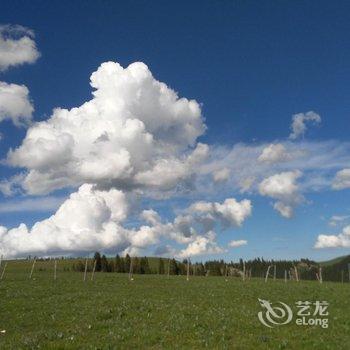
(119, 264)
(127, 261)
(174, 267)
(97, 257)
(136, 265)
(161, 266)
(104, 264)
(144, 266)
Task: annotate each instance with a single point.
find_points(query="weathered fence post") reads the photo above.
(3, 271)
(32, 270)
(131, 270)
(188, 269)
(93, 270)
(296, 273)
(168, 268)
(85, 271)
(55, 271)
(267, 273)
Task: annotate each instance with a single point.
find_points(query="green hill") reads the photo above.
(337, 269)
(334, 261)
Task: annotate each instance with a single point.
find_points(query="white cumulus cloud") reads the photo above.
(91, 219)
(88, 220)
(134, 133)
(342, 240)
(284, 209)
(341, 180)
(17, 46)
(274, 153)
(280, 186)
(229, 213)
(200, 246)
(284, 188)
(15, 103)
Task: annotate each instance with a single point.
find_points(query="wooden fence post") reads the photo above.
(131, 270)
(168, 268)
(188, 269)
(267, 273)
(296, 273)
(93, 270)
(243, 276)
(55, 271)
(32, 270)
(3, 271)
(85, 271)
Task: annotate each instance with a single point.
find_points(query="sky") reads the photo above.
(196, 129)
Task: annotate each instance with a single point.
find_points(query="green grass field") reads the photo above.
(154, 312)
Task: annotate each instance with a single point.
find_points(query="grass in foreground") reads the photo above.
(159, 313)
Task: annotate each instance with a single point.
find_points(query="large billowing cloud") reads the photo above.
(342, 240)
(299, 123)
(15, 103)
(341, 180)
(284, 188)
(134, 137)
(91, 219)
(88, 220)
(137, 138)
(135, 132)
(17, 46)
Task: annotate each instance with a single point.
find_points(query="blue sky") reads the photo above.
(251, 65)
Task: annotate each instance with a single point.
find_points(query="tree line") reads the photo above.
(307, 269)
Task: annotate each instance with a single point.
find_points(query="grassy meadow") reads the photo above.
(156, 312)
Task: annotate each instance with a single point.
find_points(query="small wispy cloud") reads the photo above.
(336, 220)
(237, 243)
(44, 204)
(299, 123)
